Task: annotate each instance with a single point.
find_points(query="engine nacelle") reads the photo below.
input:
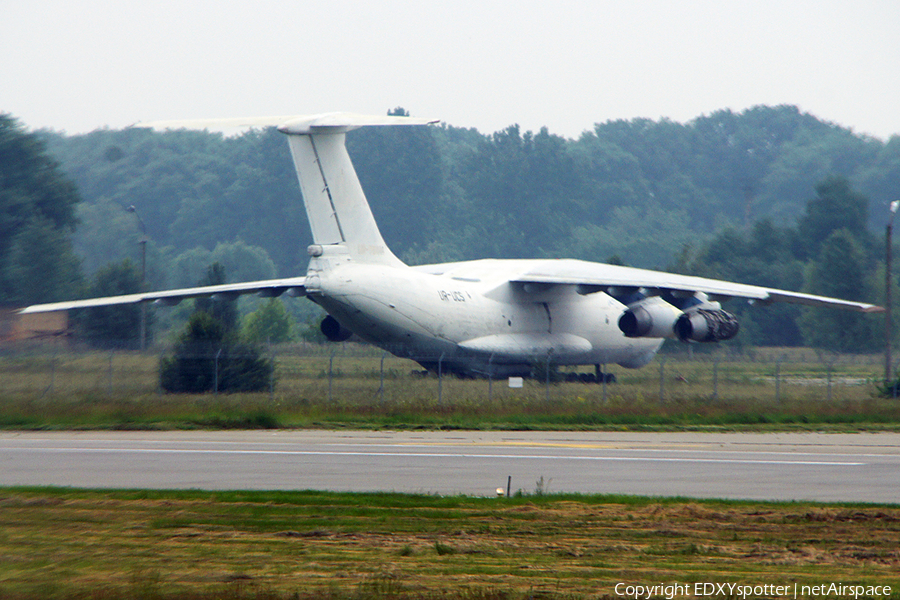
(706, 325)
(333, 331)
(653, 317)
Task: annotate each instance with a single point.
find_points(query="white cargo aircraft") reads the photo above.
(483, 317)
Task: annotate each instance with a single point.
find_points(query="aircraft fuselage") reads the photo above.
(471, 319)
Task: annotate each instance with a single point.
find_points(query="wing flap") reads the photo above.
(268, 288)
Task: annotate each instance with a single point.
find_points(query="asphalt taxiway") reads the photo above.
(862, 467)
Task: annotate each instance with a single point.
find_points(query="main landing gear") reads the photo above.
(597, 376)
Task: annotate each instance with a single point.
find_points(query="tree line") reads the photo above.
(762, 196)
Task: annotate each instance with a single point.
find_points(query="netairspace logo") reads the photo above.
(670, 591)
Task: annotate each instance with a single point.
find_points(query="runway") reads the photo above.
(772, 466)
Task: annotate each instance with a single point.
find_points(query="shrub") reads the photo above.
(209, 358)
(270, 323)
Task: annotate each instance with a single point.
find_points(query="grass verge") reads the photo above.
(66, 544)
(573, 413)
(760, 392)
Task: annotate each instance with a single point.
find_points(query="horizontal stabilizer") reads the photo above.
(292, 124)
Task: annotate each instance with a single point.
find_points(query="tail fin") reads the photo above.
(335, 203)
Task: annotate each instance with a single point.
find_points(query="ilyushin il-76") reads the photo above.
(489, 317)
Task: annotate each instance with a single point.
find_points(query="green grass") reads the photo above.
(62, 544)
(101, 390)
(257, 411)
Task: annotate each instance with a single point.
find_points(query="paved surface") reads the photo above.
(794, 466)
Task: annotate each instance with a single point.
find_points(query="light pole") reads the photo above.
(888, 333)
(143, 243)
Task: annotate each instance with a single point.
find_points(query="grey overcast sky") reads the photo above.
(567, 64)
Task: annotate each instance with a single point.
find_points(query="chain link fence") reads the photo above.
(349, 372)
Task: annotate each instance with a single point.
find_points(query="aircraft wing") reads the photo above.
(270, 288)
(595, 277)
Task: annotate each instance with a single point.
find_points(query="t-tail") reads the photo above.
(335, 203)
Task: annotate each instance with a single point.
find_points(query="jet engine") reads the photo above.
(333, 330)
(702, 321)
(652, 317)
(706, 325)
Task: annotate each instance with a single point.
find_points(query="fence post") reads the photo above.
(662, 379)
(547, 377)
(602, 375)
(52, 369)
(381, 382)
(715, 394)
(109, 374)
(216, 380)
(441, 379)
(330, 370)
(272, 372)
(490, 379)
(778, 380)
